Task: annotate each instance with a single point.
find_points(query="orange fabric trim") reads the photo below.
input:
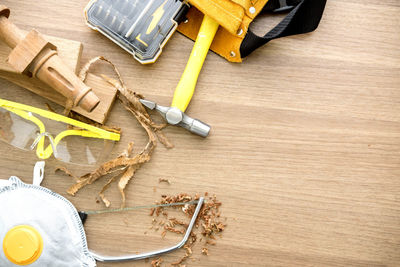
(227, 40)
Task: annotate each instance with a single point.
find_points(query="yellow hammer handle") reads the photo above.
(185, 89)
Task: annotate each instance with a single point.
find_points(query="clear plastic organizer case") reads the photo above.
(141, 27)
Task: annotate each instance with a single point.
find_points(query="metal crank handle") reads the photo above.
(185, 89)
(151, 254)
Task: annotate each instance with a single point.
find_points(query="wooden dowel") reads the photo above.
(34, 56)
(9, 33)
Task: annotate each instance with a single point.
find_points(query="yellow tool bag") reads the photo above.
(234, 40)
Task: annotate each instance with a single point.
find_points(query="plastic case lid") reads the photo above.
(141, 27)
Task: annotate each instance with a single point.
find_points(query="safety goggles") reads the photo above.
(27, 128)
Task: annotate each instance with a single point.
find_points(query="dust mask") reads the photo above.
(40, 228)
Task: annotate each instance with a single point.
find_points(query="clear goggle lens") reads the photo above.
(26, 135)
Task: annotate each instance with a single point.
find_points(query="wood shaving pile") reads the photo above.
(126, 164)
(208, 226)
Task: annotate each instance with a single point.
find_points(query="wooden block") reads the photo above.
(103, 90)
(70, 52)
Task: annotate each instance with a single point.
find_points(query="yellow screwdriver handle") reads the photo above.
(185, 89)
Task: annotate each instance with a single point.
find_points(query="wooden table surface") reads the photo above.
(305, 148)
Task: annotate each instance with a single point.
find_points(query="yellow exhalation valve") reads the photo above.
(23, 245)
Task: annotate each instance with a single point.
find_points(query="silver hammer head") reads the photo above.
(174, 116)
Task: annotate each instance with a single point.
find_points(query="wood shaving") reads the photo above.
(209, 221)
(152, 212)
(175, 221)
(156, 262)
(174, 230)
(126, 164)
(188, 250)
(67, 172)
(105, 187)
(164, 180)
(211, 242)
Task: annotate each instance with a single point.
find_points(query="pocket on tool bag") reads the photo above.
(233, 16)
(228, 13)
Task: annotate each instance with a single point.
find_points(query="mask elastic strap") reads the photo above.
(38, 173)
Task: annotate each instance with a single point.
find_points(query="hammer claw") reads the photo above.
(148, 104)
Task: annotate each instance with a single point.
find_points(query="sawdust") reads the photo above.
(126, 164)
(209, 223)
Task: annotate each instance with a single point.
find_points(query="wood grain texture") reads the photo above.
(304, 151)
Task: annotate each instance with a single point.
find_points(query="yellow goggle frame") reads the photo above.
(25, 111)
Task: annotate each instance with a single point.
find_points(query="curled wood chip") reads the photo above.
(102, 196)
(131, 102)
(67, 172)
(125, 164)
(125, 178)
(204, 251)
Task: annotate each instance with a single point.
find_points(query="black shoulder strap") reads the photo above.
(304, 17)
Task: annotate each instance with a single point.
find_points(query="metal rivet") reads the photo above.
(240, 31)
(233, 54)
(186, 21)
(252, 10)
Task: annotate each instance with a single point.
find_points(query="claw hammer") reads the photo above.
(175, 114)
